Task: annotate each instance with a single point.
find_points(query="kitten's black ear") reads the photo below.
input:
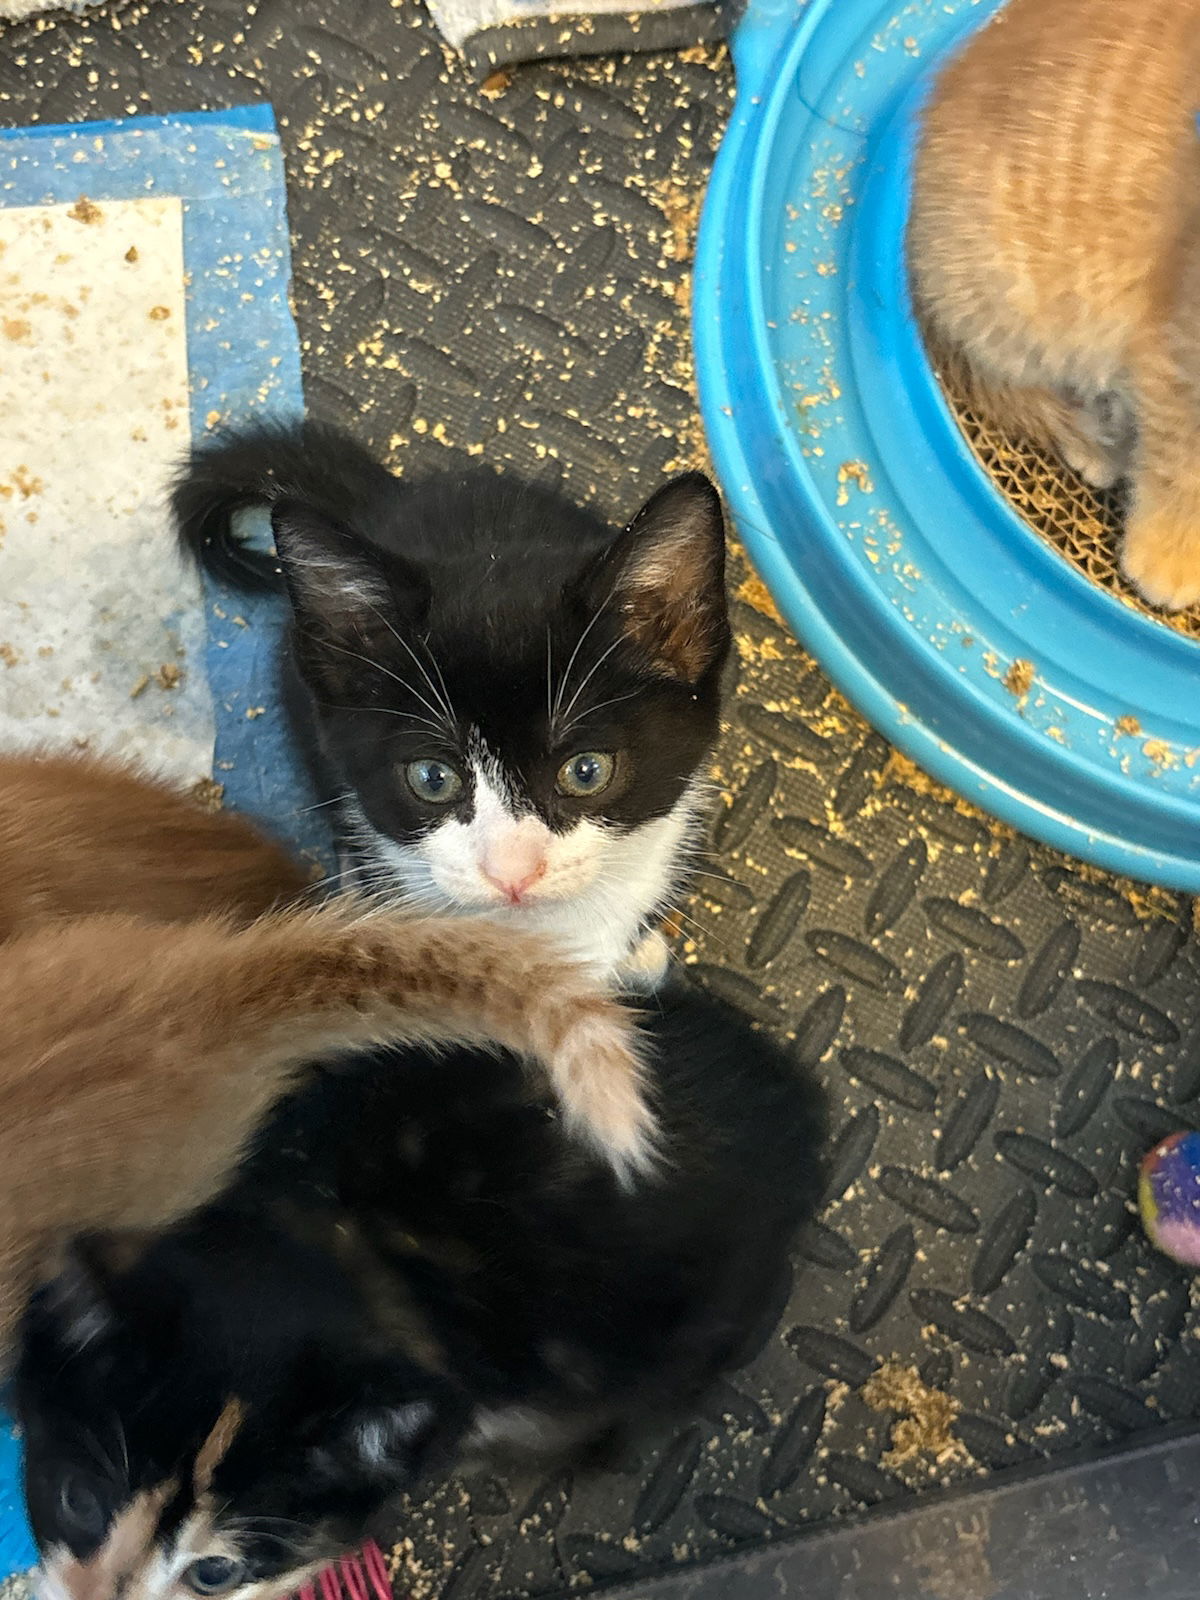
(76, 1306)
(339, 587)
(669, 572)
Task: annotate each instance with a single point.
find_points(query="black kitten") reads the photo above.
(508, 701)
(414, 1264)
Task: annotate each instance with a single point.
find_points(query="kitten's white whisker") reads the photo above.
(335, 800)
(579, 643)
(445, 695)
(690, 922)
(717, 877)
(438, 726)
(418, 722)
(378, 666)
(320, 885)
(549, 678)
(442, 697)
(590, 674)
(592, 711)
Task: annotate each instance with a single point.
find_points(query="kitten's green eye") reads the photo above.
(586, 774)
(214, 1575)
(435, 782)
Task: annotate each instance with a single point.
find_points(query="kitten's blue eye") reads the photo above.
(214, 1575)
(81, 1510)
(586, 774)
(433, 781)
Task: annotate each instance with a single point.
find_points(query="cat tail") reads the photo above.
(362, 977)
(171, 1042)
(259, 465)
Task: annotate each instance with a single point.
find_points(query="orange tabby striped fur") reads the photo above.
(1055, 252)
(79, 835)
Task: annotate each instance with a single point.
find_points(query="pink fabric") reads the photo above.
(360, 1577)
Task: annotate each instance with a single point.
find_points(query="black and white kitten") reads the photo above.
(414, 1266)
(508, 702)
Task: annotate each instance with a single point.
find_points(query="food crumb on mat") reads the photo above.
(85, 210)
(209, 794)
(926, 1416)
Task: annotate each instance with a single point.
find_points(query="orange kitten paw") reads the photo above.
(1096, 439)
(1101, 468)
(601, 1087)
(1161, 558)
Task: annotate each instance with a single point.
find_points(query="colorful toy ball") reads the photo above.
(1169, 1197)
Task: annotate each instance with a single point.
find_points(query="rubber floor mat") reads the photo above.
(503, 274)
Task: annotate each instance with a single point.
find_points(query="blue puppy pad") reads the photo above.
(243, 360)
(17, 1549)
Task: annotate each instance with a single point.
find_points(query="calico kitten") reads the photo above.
(413, 1266)
(510, 702)
(1055, 252)
(79, 835)
(140, 1057)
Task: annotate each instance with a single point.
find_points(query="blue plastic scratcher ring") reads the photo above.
(882, 539)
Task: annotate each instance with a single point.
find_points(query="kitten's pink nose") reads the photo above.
(515, 864)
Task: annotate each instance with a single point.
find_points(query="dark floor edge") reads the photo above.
(1173, 1450)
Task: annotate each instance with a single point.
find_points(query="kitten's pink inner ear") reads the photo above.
(672, 587)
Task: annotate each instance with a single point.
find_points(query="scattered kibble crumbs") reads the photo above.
(210, 794)
(1018, 679)
(85, 210)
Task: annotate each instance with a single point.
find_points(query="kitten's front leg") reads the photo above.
(1161, 549)
(1160, 553)
(1098, 444)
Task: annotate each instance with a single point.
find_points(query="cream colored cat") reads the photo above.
(1055, 252)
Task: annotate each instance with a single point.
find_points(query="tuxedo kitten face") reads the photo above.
(512, 702)
(149, 1477)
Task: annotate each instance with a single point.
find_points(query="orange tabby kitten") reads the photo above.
(139, 1057)
(1055, 250)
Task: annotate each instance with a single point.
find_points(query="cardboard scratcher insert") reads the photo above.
(1082, 523)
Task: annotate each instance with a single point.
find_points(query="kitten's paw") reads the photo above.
(1099, 440)
(1161, 558)
(601, 1086)
(1101, 468)
(645, 967)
